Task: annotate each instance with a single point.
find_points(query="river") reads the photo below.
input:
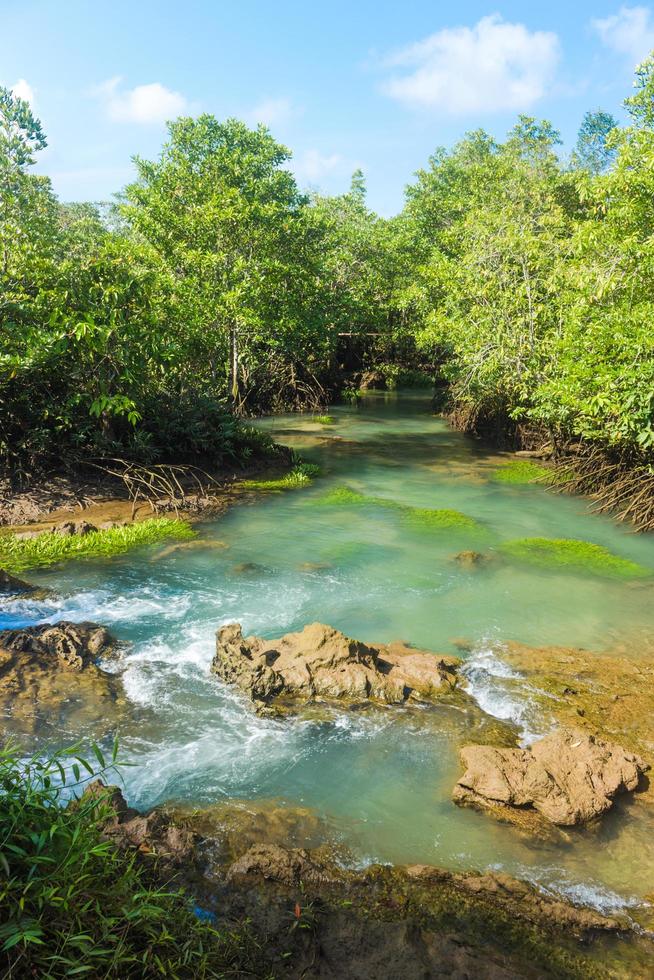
(381, 779)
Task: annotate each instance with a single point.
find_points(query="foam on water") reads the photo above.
(487, 675)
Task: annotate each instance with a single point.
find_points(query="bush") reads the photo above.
(71, 904)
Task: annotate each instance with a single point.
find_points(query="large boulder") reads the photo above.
(568, 777)
(321, 663)
(49, 674)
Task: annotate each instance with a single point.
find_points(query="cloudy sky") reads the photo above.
(371, 83)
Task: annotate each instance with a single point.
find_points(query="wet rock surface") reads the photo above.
(316, 919)
(10, 585)
(49, 674)
(568, 778)
(322, 663)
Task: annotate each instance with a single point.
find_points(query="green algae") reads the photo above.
(324, 419)
(520, 471)
(302, 475)
(440, 519)
(19, 554)
(572, 555)
(425, 518)
(342, 497)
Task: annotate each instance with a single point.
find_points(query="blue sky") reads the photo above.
(343, 84)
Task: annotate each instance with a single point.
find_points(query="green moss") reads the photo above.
(342, 497)
(575, 556)
(324, 419)
(18, 554)
(520, 471)
(300, 476)
(423, 517)
(437, 520)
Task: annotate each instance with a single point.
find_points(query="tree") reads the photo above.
(594, 151)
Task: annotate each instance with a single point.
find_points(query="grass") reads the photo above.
(520, 471)
(19, 554)
(572, 555)
(301, 475)
(71, 903)
(431, 519)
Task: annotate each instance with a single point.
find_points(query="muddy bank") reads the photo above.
(100, 499)
(314, 917)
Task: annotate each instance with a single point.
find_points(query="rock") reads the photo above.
(9, 585)
(63, 645)
(371, 380)
(290, 866)
(399, 923)
(470, 559)
(69, 528)
(568, 777)
(49, 675)
(321, 663)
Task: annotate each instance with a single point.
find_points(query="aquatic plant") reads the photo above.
(301, 475)
(72, 903)
(423, 517)
(439, 519)
(324, 419)
(573, 555)
(18, 554)
(342, 496)
(518, 471)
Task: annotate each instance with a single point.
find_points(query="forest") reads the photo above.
(212, 289)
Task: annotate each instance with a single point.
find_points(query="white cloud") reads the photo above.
(490, 67)
(23, 90)
(153, 103)
(272, 112)
(629, 32)
(313, 165)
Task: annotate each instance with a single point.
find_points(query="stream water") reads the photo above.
(381, 779)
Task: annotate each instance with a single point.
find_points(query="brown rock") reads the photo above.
(470, 559)
(290, 866)
(321, 663)
(49, 674)
(568, 777)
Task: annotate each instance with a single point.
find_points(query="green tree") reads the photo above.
(594, 151)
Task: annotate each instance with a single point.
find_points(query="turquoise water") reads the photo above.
(382, 779)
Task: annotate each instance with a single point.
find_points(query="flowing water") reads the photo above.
(381, 779)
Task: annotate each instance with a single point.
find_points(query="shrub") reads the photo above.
(71, 903)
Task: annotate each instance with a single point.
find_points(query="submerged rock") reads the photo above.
(568, 777)
(471, 559)
(322, 663)
(49, 674)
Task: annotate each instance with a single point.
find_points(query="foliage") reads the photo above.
(71, 904)
(17, 554)
(576, 556)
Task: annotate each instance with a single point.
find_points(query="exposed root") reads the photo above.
(616, 482)
(163, 486)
